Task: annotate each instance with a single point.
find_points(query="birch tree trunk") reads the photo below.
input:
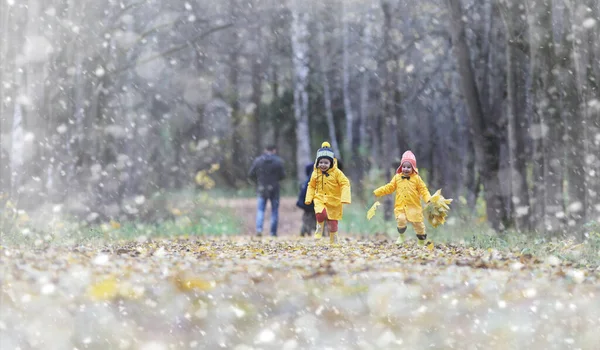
(390, 141)
(362, 141)
(389, 144)
(365, 78)
(5, 42)
(17, 140)
(300, 36)
(350, 122)
(37, 50)
(324, 65)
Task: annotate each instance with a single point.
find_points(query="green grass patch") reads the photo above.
(185, 213)
(470, 229)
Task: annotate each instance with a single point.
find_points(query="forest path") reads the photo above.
(243, 292)
(290, 216)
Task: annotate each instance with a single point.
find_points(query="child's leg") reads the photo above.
(332, 225)
(402, 222)
(320, 223)
(420, 230)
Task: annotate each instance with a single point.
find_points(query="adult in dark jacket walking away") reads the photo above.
(267, 171)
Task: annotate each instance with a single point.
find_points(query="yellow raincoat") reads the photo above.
(329, 190)
(409, 193)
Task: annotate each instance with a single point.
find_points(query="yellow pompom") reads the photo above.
(325, 144)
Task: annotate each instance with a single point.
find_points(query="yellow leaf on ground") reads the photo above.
(106, 289)
(187, 283)
(430, 246)
(115, 225)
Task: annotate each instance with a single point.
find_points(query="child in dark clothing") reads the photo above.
(309, 220)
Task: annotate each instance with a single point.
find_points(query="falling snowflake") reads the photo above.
(589, 23)
(266, 336)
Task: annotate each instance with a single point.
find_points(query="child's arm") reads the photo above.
(345, 185)
(423, 191)
(310, 190)
(386, 189)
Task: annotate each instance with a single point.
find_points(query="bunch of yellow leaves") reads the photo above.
(204, 180)
(371, 212)
(437, 209)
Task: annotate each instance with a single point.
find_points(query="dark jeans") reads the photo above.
(309, 223)
(260, 212)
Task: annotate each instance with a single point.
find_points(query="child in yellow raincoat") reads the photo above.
(410, 190)
(329, 188)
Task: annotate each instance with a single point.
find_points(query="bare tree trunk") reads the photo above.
(17, 142)
(517, 52)
(275, 92)
(362, 141)
(365, 78)
(486, 149)
(590, 81)
(573, 115)
(551, 128)
(538, 194)
(389, 121)
(300, 37)
(234, 160)
(324, 65)
(257, 81)
(5, 42)
(346, 87)
(76, 136)
(390, 142)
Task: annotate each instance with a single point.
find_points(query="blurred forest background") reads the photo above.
(105, 103)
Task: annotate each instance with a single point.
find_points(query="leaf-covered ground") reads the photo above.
(290, 293)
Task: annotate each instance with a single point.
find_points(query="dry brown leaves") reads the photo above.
(246, 293)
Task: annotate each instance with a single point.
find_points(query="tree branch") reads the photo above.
(171, 50)
(425, 83)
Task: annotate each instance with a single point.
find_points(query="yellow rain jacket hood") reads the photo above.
(329, 190)
(409, 193)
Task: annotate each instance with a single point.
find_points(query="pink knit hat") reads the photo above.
(408, 156)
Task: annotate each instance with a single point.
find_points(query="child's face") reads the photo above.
(407, 168)
(324, 164)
